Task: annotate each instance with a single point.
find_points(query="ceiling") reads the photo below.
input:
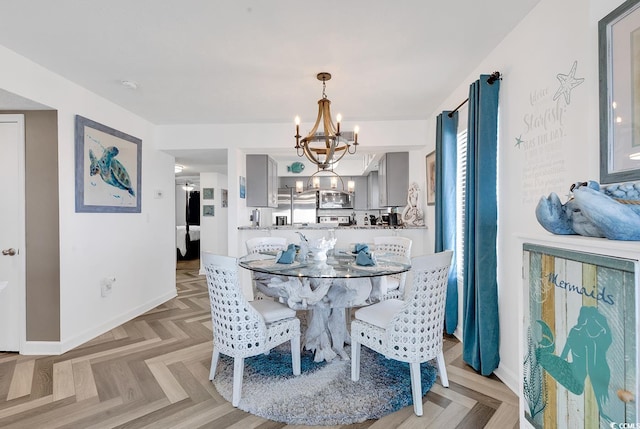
(250, 61)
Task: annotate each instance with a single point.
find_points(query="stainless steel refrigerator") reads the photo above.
(298, 208)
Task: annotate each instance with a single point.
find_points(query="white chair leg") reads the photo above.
(295, 354)
(442, 370)
(238, 370)
(416, 387)
(214, 363)
(355, 359)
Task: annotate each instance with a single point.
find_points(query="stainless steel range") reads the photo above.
(334, 219)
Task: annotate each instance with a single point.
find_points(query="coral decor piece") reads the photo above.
(612, 212)
(319, 248)
(412, 215)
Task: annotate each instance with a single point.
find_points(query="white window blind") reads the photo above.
(460, 203)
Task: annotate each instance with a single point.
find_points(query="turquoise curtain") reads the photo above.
(445, 235)
(481, 331)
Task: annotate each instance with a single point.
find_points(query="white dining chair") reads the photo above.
(260, 280)
(409, 330)
(265, 244)
(392, 287)
(242, 329)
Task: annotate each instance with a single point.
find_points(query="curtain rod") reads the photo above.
(492, 78)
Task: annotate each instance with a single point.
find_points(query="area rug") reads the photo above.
(324, 393)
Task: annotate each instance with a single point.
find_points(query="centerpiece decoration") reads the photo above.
(319, 248)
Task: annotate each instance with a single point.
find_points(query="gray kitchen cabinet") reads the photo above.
(393, 179)
(262, 181)
(373, 193)
(360, 192)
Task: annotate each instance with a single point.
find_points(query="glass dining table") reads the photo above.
(326, 288)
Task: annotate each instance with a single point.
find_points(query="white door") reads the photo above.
(12, 232)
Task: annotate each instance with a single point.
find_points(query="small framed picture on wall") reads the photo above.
(208, 210)
(431, 178)
(243, 187)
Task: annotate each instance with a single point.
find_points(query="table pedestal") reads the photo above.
(326, 300)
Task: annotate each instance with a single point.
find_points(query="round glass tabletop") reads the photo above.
(339, 264)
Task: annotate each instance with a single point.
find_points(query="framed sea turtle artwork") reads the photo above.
(108, 169)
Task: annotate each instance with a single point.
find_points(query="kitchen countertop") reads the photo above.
(324, 226)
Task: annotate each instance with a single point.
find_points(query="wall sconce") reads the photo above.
(351, 186)
(334, 183)
(316, 182)
(299, 186)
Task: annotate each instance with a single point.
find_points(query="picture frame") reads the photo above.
(207, 193)
(208, 210)
(430, 190)
(225, 198)
(243, 187)
(108, 169)
(619, 68)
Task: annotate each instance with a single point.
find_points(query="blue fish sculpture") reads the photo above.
(296, 167)
(612, 212)
(110, 169)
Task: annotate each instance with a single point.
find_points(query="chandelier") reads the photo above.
(327, 147)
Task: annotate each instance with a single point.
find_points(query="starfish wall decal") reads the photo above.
(519, 141)
(567, 83)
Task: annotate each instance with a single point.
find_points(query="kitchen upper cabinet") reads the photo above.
(393, 179)
(360, 192)
(262, 181)
(373, 200)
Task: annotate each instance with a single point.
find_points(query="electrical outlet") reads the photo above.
(106, 285)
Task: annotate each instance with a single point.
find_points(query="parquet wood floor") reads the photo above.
(152, 372)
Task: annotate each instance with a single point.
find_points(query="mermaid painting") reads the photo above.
(584, 354)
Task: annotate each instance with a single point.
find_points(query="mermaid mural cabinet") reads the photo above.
(579, 363)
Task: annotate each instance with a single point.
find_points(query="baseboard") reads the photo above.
(42, 348)
(509, 379)
(57, 348)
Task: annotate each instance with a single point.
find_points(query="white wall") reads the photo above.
(213, 229)
(558, 150)
(136, 249)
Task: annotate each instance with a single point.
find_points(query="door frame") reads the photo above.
(21, 185)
